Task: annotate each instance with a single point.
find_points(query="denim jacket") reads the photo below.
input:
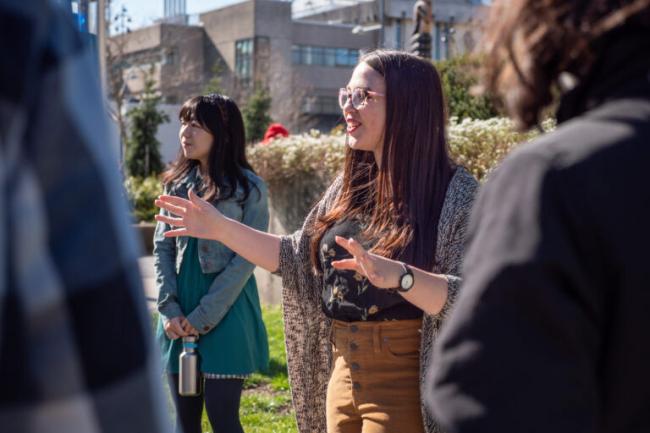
(232, 270)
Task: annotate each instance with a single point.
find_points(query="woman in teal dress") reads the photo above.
(205, 289)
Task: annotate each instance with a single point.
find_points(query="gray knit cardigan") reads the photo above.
(307, 328)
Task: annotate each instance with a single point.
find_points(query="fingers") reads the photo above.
(176, 233)
(188, 328)
(345, 264)
(361, 261)
(343, 242)
(185, 324)
(177, 222)
(351, 246)
(175, 201)
(175, 210)
(363, 258)
(170, 330)
(175, 327)
(194, 198)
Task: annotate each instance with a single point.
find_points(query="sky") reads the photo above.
(144, 12)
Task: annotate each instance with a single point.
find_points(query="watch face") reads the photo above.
(407, 281)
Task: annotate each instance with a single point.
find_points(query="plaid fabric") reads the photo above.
(75, 348)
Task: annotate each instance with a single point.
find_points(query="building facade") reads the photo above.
(302, 52)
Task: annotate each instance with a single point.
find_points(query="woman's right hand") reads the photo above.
(195, 217)
(174, 329)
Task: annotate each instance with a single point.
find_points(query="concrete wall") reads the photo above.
(227, 25)
(142, 39)
(184, 73)
(176, 53)
(273, 58)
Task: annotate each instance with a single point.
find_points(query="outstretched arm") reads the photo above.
(198, 218)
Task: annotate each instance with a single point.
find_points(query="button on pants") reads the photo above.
(374, 386)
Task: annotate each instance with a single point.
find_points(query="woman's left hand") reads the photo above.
(381, 272)
(188, 328)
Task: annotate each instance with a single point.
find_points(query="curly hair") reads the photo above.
(530, 43)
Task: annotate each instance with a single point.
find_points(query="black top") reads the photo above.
(347, 295)
(550, 332)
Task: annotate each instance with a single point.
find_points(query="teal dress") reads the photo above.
(238, 345)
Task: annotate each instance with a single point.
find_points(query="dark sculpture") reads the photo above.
(421, 37)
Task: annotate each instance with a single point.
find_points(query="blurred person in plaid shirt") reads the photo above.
(75, 347)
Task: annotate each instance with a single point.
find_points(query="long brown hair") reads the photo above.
(530, 43)
(220, 116)
(403, 197)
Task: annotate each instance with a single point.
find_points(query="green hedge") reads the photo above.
(141, 193)
(479, 145)
(476, 144)
(459, 75)
(298, 168)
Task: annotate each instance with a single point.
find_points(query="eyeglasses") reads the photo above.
(358, 96)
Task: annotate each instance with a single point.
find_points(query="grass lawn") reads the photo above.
(266, 401)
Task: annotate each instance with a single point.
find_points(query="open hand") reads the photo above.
(195, 217)
(381, 272)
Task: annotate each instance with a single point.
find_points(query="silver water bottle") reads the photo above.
(189, 378)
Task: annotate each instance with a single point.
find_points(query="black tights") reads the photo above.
(221, 397)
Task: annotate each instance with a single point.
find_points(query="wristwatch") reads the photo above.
(406, 280)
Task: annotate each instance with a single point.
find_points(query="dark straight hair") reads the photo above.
(220, 116)
(403, 198)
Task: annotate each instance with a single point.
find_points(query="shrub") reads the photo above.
(298, 168)
(256, 114)
(141, 193)
(479, 145)
(142, 152)
(458, 75)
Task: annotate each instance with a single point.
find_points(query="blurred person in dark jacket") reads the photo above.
(76, 353)
(550, 333)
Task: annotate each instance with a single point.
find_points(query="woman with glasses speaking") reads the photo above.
(374, 269)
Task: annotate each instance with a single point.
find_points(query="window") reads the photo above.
(295, 55)
(321, 105)
(323, 56)
(169, 56)
(330, 57)
(354, 57)
(244, 59)
(317, 56)
(329, 105)
(306, 56)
